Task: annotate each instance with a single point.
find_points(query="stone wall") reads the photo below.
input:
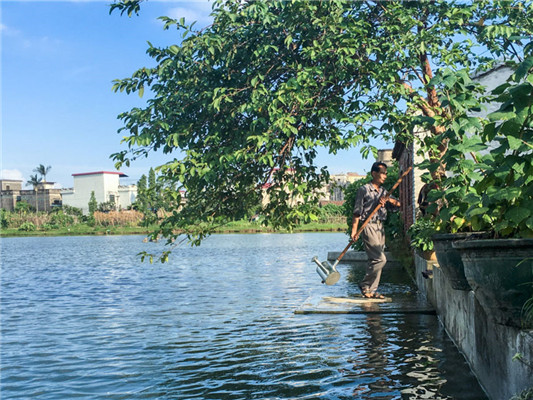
(488, 347)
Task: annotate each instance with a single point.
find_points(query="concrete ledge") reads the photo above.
(488, 347)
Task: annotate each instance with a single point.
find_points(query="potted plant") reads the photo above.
(421, 233)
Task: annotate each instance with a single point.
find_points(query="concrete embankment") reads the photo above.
(500, 356)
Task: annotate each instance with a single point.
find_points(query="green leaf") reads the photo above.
(523, 69)
(478, 211)
(514, 143)
(501, 115)
(517, 214)
(174, 49)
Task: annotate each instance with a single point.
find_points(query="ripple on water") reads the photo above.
(83, 318)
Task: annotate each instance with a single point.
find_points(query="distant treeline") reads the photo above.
(26, 219)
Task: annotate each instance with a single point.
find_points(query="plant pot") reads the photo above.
(500, 272)
(449, 259)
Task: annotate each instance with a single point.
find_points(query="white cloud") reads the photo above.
(13, 174)
(8, 31)
(20, 39)
(192, 11)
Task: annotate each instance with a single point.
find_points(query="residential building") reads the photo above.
(43, 196)
(338, 183)
(106, 187)
(10, 193)
(385, 156)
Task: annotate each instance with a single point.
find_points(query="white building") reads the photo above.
(106, 188)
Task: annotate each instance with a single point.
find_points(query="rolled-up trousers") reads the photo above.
(373, 236)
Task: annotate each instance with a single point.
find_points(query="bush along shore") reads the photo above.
(70, 221)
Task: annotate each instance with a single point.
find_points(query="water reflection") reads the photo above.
(83, 318)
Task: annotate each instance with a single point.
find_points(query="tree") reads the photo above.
(249, 99)
(42, 170)
(144, 202)
(141, 200)
(93, 204)
(33, 181)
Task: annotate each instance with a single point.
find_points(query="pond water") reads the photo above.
(83, 318)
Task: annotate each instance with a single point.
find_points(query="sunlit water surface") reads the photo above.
(83, 318)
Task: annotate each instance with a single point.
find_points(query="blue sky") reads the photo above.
(58, 63)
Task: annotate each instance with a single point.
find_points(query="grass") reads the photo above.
(77, 230)
(232, 227)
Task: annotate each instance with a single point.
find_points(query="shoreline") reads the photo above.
(85, 230)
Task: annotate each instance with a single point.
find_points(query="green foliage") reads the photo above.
(149, 198)
(69, 210)
(141, 200)
(249, 99)
(505, 190)
(49, 227)
(61, 219)
(4, 218)
(27, 227)
(490, 185)
(23, 207)
(93, 204)
(42, 170)
(421, 233)
(33, 181)
(107, 206)
(331, 210)
(527, 313)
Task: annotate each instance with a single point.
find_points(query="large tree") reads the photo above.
(249, 99)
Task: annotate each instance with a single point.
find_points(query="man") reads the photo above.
(373, 235)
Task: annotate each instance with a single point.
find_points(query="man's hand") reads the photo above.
(385, 199)
(355, 224)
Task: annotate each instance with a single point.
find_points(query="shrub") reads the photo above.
(74, 211)
(23, 207)
(61, 219)
(49, 227)
(4, 219)
(27, 227)
(421, 233)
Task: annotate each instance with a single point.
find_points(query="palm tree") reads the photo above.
(42, 170)
(33, 181)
